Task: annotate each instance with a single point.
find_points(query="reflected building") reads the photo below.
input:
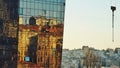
(34, 29)
(41, 32)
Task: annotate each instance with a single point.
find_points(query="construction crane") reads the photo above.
(113, 8)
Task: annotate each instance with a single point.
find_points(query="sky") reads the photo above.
(89, 23)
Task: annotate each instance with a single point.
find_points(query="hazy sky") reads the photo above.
(88, 22)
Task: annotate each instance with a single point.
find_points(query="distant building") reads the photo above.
(85, 49)
(109, 51)
(117, 50)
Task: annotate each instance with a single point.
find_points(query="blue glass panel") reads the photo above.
(28, 5)
(47, 7)
(62, 14)
(40, 12)
(24, 6)
(21, 11)
(32, 5)
(51, 13)
(27, 11)
(55, 14)
(58, 14)
(59, 8)
(44, 12)
(40, 5)
(51, 7)
(24, 11)
(21, 3)
(36, 12)
(55, 8)
(32, 0)
(62, 8)
(37, 0)
(59, 0)
(63, 1)
(36, 5)
(32, 12)
(25, 0)
(21, 0)
(44, 6)
(47, 13)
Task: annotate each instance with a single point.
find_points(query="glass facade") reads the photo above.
(40, 34)
(8, 33)
(31, 33)
(48, 8)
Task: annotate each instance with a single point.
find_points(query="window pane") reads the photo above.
(36, 5)
(21, 11)
(32, 0)
(59, 7)
(24, 5)
(58, 14)
(32, 12)
(51, 7)
(28, 5)
(62, 8)
(55, 8)
(62, 15)
(21, 4)
(40, 13)
(55, 14)
(28, 11)
(32, 5)
(25, 0)
(47, 13)
(51, 13)
(44, 6)
(36, 13)
(59, 0)
(47, 7)
(24, 11)
(40, 6)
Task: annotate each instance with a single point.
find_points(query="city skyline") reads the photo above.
(89, 23)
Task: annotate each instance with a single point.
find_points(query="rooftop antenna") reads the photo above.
(113, 8)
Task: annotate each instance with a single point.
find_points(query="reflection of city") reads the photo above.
(40, 33)
(31, 36)
(42, 43)
(31, 33)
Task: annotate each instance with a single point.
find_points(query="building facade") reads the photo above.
(41, 32)
(8, 33)
(36, 8)
(31, 29)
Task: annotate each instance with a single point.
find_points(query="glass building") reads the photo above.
(31, 33)
(49, 8)
(8, 33)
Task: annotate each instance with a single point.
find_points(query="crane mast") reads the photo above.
(113, 8)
